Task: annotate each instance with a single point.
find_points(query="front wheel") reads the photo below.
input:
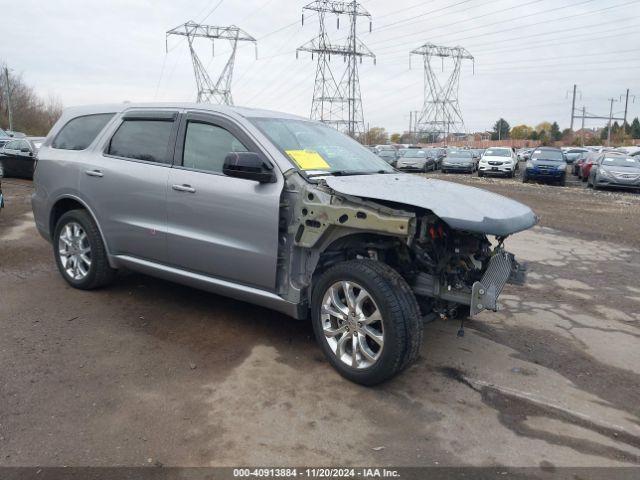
(366, 320)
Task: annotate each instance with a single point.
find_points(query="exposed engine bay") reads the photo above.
(453, 272)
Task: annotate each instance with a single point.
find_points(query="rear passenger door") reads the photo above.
(218, 225)
(126, 183)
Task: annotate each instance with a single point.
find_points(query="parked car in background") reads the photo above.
(416, 161)
(573, 154)
(15, 134)
(434, 154)
(4, 138)
(402, 151)
(585, 166)
(498, 161)
(615, 170)
(546, 164)
(276, 210)
(459, 161)
(575, 168)
(18, 158)
(389, 156)
(380, 148)
(36, 141)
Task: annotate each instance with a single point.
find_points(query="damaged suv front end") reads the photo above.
(352, 228)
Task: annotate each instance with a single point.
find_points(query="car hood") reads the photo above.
(551, 163)
(461, 207)
(457, 160)
(496, 158)
(614, 168)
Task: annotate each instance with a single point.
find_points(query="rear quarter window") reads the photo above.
(146, 140)
(80, 132)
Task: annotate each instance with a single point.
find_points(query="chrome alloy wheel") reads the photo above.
(74, 251)
(352, 324)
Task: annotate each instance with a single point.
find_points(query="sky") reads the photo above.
(528, 54)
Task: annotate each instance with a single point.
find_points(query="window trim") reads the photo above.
(157, 116)
(217, 121)
(98, 134)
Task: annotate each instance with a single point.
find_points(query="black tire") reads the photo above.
(525, 179)
(100, 272)
(563, 182)
(402, 322)
(480, 173)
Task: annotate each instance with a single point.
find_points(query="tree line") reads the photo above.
(547, 132)
(31, 114)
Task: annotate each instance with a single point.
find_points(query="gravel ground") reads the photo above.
(147, 372)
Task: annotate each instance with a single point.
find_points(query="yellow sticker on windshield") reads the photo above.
(308, 160)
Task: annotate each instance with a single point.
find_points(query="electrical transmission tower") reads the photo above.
(441, 113)
(336, 99)
(209, 91)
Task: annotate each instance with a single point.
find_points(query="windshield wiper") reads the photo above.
(345, 173)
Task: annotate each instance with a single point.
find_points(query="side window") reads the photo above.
(78, 133)
(25, 144)
(142, 140)
(206, 146)
(14, 145)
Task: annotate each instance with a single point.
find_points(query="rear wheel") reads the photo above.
(80, 253)
(480, 173)
(366, 320)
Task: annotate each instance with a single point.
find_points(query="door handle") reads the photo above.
(94, 173)
(184, 188)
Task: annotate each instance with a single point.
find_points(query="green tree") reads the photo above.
(635, 128)
(395, 138)
(375, 136)
(533, 135)
(554, 132)
(500, 130)
(521, 132)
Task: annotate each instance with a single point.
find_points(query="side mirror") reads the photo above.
(248, 165)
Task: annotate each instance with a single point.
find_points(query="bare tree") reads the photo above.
(32, 114)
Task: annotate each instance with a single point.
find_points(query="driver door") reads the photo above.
(220, 226)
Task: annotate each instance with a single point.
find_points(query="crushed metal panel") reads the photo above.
(462, 207)
(318, 212)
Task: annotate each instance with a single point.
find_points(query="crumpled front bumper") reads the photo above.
(503, 268)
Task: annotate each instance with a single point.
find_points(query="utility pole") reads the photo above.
(441, 111)
(610, 118)
(208, 91)
(336, 99)
(584, 113)
(626, 107)
(573, 105)
(8, 92)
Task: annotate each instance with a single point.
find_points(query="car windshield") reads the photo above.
(620, 162)
(3, 134)
(460, 154)
(415, 154)
(497, 152)
(551, 155)
(314, 147)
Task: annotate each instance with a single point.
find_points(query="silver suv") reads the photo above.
(275, 210)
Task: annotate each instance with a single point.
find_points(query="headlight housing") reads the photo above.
(603, 173)
(562, 167)
(529, 164)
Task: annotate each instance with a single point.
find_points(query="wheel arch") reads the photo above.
(67, 203)
(344, 244)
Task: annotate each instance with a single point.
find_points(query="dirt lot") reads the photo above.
(148, 372)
